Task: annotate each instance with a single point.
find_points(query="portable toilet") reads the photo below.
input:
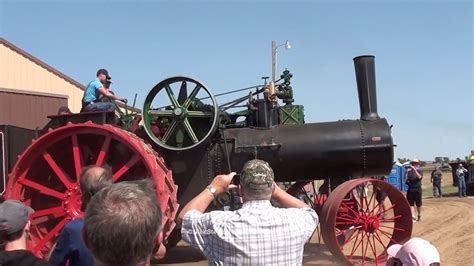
(396, 177)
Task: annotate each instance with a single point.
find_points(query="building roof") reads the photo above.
(41, 63)
(52, 69)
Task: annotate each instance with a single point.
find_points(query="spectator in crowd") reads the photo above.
(94, 89)
(256, 234)
(461, 174)
(415, 252)
(122, 223)
(70, 247)
(14, 230)
(64, 110)
(380, 196)
(436, 177)
(413, 176)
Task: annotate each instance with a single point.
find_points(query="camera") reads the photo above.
(236, 180)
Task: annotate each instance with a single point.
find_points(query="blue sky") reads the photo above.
(423, 49)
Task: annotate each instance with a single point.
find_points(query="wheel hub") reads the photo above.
(73, 202)
(178, 112)
(371, 224)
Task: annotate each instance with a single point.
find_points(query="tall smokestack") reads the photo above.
(365, 76)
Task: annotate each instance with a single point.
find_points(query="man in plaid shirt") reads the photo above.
(256, 234)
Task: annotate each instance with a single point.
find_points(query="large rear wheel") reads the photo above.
(46, 176)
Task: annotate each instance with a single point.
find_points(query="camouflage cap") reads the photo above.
(257, 174)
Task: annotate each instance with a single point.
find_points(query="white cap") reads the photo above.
(416, 251)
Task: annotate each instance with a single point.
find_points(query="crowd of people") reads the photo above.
(120, 227)
(122, 223)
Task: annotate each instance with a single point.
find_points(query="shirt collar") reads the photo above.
(253, 204)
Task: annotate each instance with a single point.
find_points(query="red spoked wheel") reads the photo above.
(361, 218)
(46, 176)
(316, 202)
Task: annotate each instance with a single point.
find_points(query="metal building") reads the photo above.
(30, 89)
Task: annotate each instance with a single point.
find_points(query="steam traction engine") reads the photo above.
(183, 138)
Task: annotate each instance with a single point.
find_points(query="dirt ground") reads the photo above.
(448, 223)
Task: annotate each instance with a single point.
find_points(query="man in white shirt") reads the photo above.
(256, 234)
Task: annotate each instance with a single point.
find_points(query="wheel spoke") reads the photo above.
(50, 235)
(200, 114)
(169, 131)
(361, 241)
(375, 250)
(353, 230)
(355, 199)
(126, 167)
(364, 252)
(41, 189)
(345, 219)
(389, 227)
(369, 203)
(372, 248)
(374, 207)
(349, 208)
(386, 210)
(57, 170)
(170, 93)
(388, 235)
(190, 130)
(376, 235)
(103, 150)
(76, 152)
(191, 96)
(56, 211)
(161, 113)
(353, 250)
(390, 220)
(183, 92)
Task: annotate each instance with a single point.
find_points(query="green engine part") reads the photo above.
(285, 91)
(291, 114)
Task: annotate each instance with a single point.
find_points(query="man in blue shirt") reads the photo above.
(94, 89)
(70, 246)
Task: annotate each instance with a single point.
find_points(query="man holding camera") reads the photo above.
(256, 234)
(461, 173)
